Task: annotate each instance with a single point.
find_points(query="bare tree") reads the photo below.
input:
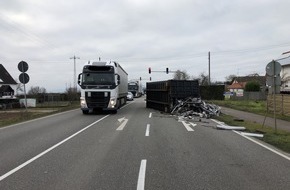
(35, 91)
(18, 87)
(230, 78)
(72, 94)
(202, 79)
(181, 75)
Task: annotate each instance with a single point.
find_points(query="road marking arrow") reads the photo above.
(187, 126)
(123, 122)
(193, 124)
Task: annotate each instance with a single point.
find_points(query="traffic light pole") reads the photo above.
(166, 71)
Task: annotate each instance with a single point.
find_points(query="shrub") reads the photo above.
(252, 86)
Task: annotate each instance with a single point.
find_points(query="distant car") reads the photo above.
(130, 96)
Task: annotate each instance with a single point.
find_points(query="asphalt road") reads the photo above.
(137, 148)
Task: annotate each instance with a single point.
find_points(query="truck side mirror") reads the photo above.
(118, 79)
(79, 79)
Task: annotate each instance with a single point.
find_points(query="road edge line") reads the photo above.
(264, 146)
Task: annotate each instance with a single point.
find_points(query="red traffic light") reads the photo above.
(149, 69)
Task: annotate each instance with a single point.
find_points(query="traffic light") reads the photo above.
(167, 70)
(149, 69)
(140, 78)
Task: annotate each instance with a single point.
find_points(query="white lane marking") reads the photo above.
(147, 130)
(268, 148)
(150, 115)
(124, 122)
(48, 150)
(187, 126)
(141, 178)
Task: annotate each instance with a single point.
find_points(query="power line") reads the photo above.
(251, 50)
(237, 52)
(12, 26)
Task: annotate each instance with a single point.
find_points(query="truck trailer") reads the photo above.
(103, 86)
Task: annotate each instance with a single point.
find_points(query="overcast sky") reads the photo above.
(242, 36)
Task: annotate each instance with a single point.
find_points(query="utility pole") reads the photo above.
(75, 76)
(209, 68)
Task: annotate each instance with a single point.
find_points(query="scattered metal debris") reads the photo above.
(227, 127)
(222, 125)
(252, 134)
(195, 107)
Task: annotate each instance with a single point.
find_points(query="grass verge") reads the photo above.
(258, 107)
(281, 139)
(14, 116)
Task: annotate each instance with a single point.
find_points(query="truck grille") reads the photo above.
(97, 99)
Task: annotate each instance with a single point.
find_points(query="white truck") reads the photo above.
(104, 86)
(135, 87)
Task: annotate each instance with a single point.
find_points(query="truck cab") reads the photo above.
(102, 86)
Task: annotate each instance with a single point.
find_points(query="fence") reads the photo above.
(250, 96)
(282, 104)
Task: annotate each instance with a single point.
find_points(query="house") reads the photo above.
(238, 84)
(285, 73)
(7, 84)
(6, 91)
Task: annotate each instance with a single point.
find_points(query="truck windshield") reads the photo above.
(98, 79)
(133, 87)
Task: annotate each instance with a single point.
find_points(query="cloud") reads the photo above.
(242, 36)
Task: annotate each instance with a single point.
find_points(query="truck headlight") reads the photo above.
(83, 103)
(112, 102)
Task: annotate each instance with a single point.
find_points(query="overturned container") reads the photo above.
(163, 95)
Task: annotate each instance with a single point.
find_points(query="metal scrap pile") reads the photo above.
(191, 107)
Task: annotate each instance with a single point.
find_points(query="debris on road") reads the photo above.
(227, 127)
(222, 125)
(252, 134)
(191, 107)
